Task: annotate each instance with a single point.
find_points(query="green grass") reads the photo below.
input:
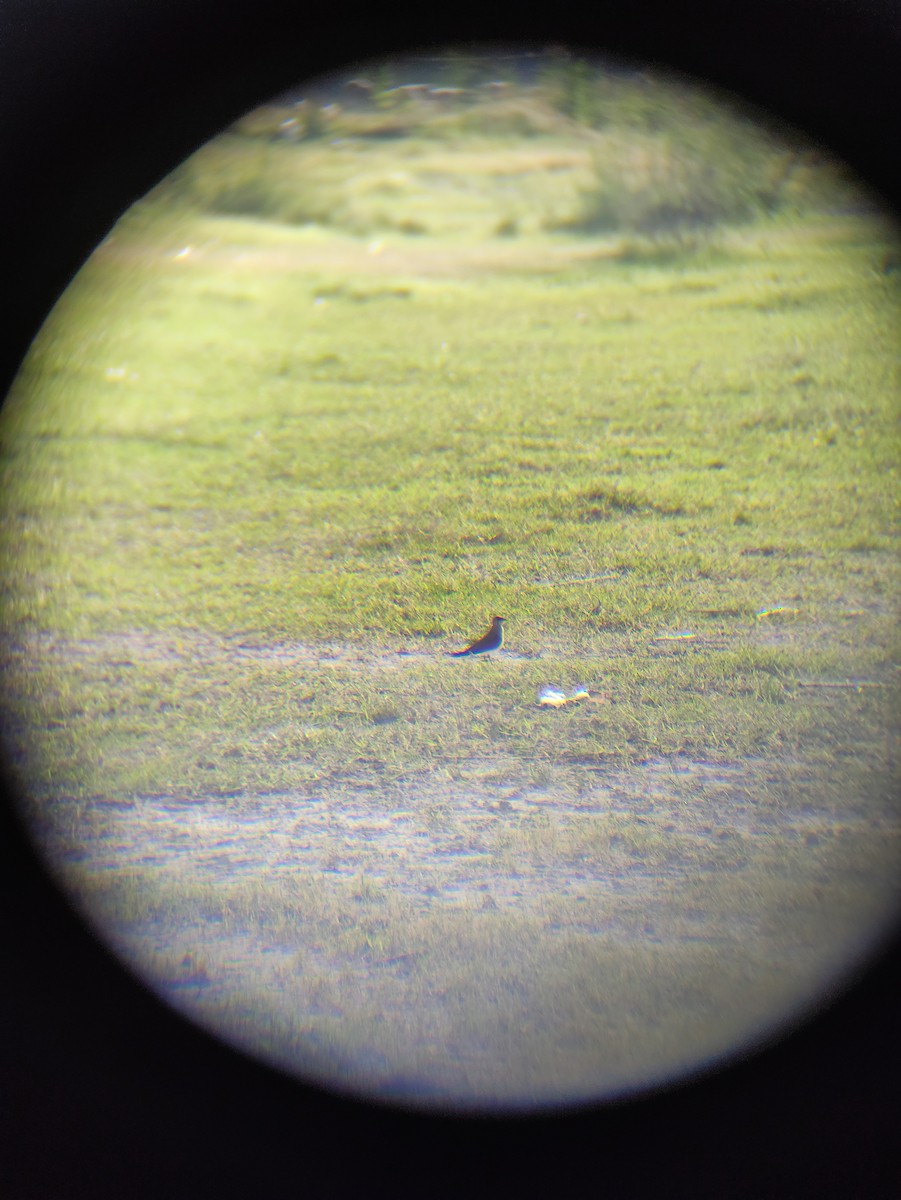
(245, 457)
(257, 480)
(604, 454)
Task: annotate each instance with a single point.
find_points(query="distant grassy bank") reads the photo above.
(630, 155)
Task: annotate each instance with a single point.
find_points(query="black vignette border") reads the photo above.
(109, 1092)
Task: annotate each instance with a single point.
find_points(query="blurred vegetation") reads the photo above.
(578, 147)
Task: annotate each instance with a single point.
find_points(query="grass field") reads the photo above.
(259, 479)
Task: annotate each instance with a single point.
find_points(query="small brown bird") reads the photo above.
(492, 640)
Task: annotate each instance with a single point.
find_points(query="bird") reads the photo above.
(492, 640)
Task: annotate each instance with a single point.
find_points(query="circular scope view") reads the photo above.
(579, 371)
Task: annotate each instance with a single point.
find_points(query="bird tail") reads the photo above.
(458, 653)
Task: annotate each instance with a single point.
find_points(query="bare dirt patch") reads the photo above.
(389, 256)
(470, 930)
